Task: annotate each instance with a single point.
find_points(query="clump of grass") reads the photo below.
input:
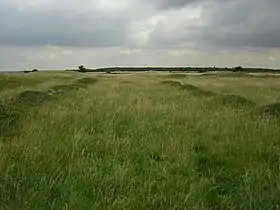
(269, 111)
(10, 118)
(86, 81)
(31, 98)
(234, 101)
(221, 172)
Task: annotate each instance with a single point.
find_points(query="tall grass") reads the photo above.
(132, 142)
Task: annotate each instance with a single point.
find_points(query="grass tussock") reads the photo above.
(234, 101)
(224, 177)
(31, 98)
(87, 81)
(269, 111)
(10, 119)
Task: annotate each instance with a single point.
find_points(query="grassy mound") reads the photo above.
(63, 89)
(196, 91)
(31, 98)
(86, 81)
(10, 118)
(80, 83)
(235, 101)
(269, 111)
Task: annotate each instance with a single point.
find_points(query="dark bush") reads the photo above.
(238, 69)
(82, 68)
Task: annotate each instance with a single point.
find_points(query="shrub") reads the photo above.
(82, 68)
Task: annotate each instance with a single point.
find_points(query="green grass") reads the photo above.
(139, 141)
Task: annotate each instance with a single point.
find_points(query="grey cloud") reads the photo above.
(164, 4)
(229, 25)
(59, 28)
(167, 4)
(244, 24)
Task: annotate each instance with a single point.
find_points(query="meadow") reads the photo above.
(148, 140)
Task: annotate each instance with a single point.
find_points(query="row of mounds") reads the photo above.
(35, 98)
(226, 100)
(269, 111)
(13, 112)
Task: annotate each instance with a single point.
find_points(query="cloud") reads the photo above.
(229, 25)
(39, 25)
(51, 34)
(243, 24)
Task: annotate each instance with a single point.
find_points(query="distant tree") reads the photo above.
(82, 68)
(35, 70)
(238, 69)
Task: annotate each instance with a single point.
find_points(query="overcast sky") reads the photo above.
(52, 34)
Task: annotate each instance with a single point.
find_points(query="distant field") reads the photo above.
(139, 141)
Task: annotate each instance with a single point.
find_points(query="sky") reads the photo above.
(51, 34)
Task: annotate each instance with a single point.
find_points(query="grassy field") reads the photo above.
(139, 141)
